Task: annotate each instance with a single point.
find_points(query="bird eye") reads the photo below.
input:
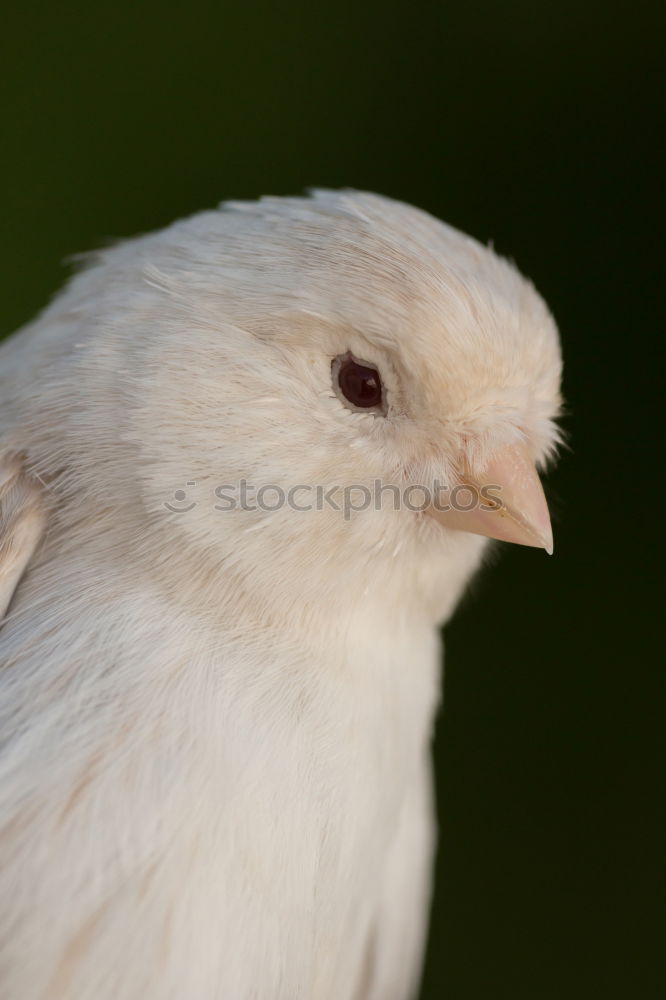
(360, 384)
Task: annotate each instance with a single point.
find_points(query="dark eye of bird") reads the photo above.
(360, 384)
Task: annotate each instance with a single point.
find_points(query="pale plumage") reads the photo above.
(214, 776)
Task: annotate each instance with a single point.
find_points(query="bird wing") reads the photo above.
(22, 524)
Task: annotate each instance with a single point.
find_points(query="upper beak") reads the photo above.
(514, 510)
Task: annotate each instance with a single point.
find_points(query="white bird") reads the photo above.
(215, 720)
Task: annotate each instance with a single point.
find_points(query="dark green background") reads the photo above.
(534, 123)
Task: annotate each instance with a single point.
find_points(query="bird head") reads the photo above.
(319, 349)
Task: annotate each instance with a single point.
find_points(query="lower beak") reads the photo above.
(506, 502)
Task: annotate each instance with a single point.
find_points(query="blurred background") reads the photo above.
(531, 124)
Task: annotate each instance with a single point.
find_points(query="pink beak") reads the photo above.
(514, 510)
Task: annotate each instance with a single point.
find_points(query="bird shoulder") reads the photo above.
(22, 523)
